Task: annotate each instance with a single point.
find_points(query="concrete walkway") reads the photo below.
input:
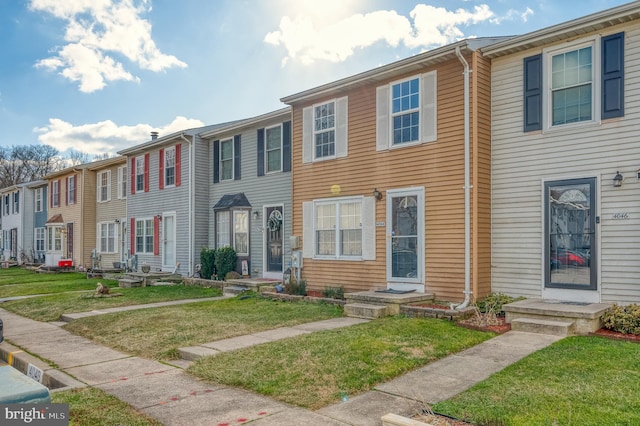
(168, 394)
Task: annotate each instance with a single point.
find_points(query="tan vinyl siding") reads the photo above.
(436, 166)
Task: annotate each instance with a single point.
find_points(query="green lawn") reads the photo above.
(576, 381)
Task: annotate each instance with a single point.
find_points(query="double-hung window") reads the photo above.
(39, 239)
(338, 226)
(122, 182)
(324, 130)
(226, 159)
(104, 186)
(273, 149)
(16, 202)
(405, 111)
(71, 189)
(223, 229)
(170, 166)
(38, 201)
(107, 237)
(144, 236)
(139, 173)
(55, 193)
(232, 230)
(577, 84)
(6, 204)
(54, 238)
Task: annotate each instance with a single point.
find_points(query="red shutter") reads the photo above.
(156, 235)
(133, 176)
(178, 162)
(161, 168)
(146, 172)
(132, 236)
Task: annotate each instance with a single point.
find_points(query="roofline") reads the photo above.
(155, 142)
(107, 162)
(586, 24)
(431, 57)
(247, 122)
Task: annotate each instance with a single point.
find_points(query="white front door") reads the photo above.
(168, 242)
(405, 239)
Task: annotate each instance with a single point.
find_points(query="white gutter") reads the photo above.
(191, 195)
(467, 189)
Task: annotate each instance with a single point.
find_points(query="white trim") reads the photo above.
(163, 241)
(417, 283)
(265, 272)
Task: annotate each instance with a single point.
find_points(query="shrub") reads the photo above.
(333, 292)
(225, 261)
(494, 301)
(207, 262)
(296, 287)
(623, 319)
(232, 275)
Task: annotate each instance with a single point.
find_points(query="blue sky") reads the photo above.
(97, 76)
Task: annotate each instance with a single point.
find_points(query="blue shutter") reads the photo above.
(533, 93)
(613, 76)
(236, 157)
(216, 161)
(286, 146)
(260, 152)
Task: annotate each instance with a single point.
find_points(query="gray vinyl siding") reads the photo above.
(269, 190)
(521, 162)
(202, 204)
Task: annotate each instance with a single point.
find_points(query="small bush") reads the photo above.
(333, 292)
(494, 301)
(623, 319)
(232, 275)
(225, 261)
(298, 288)
(207, 262)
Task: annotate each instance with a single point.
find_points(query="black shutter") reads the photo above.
(613, 76)
(286, 146)
(533, 93)
(216, 161)
(236, 157)
(260, 152)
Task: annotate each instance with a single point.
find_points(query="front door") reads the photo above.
(405, 242)
(274, 240)
(570, 223)
(168, 242)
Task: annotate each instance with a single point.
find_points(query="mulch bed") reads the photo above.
(497, 325)
(616, 335)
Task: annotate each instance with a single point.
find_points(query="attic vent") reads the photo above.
(154, 136)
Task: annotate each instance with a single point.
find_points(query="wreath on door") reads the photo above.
(275, 221)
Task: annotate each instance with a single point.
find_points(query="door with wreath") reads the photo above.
(274, 229)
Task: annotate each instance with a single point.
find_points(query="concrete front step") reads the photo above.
(364, 310)
(542, 326)
(233, 290)
(128, 283)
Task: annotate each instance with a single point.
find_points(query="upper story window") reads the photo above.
(55, 193)
(226, 159)
(273, 149)
(122, 182)
(406, 112)
(170, 166)
(568, 85)
(6, 204)
(139, 173)
(71, 189)
(38, 200)
(104, 186)
(16, 202)
(324, 130)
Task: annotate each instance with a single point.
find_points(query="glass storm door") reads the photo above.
(168, 242)
(274, 233)
(404, 228)
(570, 234)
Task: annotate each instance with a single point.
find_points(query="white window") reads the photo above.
(38, 200)
(241, 232)
(122, 182)
(39, 239)
(273, 149)
(54, 238)
(144, 236)
(6, 204)
(324, 130)
(406, 112)
(16, 202)
(107, 237)
(55, 193)
(570, 82)
(226, 159)
(339, 228)
(223, 229)
(104, 186)
(71, 189)
(170, 166)
(140, 174)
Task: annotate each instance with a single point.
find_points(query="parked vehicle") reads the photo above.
(570, 258)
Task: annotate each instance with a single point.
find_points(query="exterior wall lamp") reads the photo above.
(256, 214)
(377, 194)
(617, 180)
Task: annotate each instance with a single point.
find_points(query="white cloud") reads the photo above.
(105, 136)
(95, 31)
(513, 15)
(308, 39)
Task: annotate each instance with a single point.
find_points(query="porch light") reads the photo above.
(377, 194)
(256, 214)
(617, 180)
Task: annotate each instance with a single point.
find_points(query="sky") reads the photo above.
(97, 76)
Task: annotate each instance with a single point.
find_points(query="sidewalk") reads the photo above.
(168, 394)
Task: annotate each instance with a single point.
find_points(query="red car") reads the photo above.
(568, 257)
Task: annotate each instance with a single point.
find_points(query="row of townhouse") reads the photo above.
(493, 164)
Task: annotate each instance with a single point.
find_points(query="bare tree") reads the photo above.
(75, 158)
(23, 163)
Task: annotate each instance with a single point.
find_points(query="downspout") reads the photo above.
(190, 239)
(467, 188)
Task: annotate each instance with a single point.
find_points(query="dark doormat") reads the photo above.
(394, 291)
